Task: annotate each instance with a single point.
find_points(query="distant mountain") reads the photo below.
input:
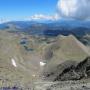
(49, 28)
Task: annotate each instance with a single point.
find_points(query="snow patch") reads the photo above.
(42, 64)
(34, 75)
(13, 62)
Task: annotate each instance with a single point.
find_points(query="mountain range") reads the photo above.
(44, 51)
(48, 28)
(78, 28)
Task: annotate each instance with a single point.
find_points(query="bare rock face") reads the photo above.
(70, 71)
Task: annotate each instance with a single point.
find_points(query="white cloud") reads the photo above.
(3, 20)
(79, 9)
(44, 17)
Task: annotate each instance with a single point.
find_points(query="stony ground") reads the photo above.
(68, 85)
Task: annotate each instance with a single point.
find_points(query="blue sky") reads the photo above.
(44, 9)
(20, 9)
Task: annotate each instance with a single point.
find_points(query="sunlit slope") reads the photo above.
(25, 65)
(21, 55)
(65, 48)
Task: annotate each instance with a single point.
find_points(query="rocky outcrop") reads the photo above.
(70, 71)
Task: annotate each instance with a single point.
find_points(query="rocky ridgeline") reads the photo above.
(69, 71)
